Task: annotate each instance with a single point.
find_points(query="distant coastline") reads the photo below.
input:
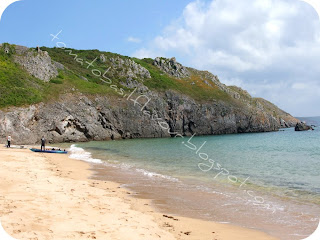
(311, 120)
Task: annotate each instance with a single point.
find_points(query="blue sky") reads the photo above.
(269, 47)
(94, 24)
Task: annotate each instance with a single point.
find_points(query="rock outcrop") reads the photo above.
(171, 67)
(129, 69)
(37, 63)
(301, 126)
(102, 58)
(132, 75)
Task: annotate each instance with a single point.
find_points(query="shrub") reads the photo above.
(56, 81)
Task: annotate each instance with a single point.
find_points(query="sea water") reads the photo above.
(266, 181)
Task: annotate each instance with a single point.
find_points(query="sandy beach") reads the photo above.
(45, 196)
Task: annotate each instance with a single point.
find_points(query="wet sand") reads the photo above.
(45, 196)
(221, 203)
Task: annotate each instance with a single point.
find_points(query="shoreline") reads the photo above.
(52, 196)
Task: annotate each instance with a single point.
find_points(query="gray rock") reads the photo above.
(131, 84)
(129, 69)
(103, 58)
(83, 78)
(76, 118)
(20, 50)
(171, 67)
(58, 65)
(303, 127)
(37, 63)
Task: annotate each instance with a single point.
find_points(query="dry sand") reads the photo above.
(45, 196)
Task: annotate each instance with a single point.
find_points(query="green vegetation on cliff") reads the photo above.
(193, 86)
(159, 81)
(97, 73)
(17, 87)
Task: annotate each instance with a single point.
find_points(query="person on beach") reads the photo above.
(9, 141)
(43, 144)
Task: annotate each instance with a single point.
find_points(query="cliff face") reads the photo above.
(77, 115)
(77, 118)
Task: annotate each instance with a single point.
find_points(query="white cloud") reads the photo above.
(134, 40)
(147, 53)
(263, 44)
(299, 86)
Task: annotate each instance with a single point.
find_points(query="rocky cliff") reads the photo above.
(120, 97)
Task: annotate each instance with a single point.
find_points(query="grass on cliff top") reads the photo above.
(79, 76)
(18, 87)
(193, 86)
(159, 80)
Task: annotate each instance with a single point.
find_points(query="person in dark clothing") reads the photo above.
(9, 141)
(43, 144)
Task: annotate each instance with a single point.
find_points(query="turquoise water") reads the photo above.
(288, 160)
(274, 173)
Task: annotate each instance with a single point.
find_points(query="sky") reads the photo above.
(271, 48)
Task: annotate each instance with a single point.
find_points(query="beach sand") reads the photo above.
(45, 196)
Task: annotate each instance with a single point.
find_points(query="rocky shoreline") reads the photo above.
(301, 126)
(77, 118)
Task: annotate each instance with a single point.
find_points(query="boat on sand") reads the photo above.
(48, 151)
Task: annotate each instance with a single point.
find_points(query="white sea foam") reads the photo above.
(81, 154)
(153, 174)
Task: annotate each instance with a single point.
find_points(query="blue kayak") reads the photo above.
(48, 151)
